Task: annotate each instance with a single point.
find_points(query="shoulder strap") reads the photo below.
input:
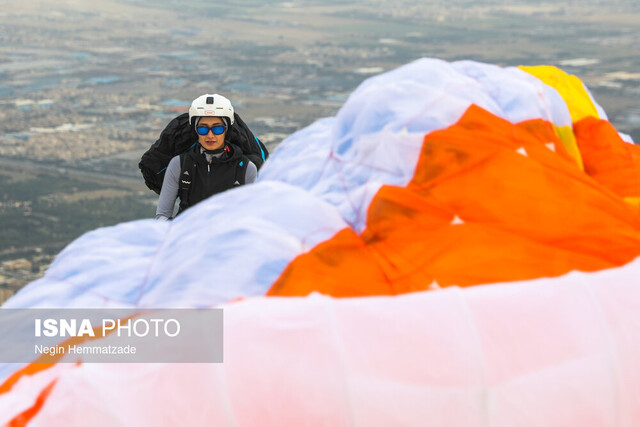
(241, 171)
(187, 174)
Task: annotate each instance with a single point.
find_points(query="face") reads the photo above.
(211, 141)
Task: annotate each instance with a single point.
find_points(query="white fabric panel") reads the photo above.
(376, 137)
(626, 138)
(230, 246)
(550, 352)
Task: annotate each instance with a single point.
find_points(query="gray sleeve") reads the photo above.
(169, 192)
(251, 173)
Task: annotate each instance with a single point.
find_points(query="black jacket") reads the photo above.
(200, 179)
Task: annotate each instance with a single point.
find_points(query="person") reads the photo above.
(211, 166)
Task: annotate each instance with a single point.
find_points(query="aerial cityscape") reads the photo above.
(87, 87)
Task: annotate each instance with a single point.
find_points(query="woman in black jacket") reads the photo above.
(212, 165)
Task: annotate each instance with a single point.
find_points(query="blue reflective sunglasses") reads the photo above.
(216, 129)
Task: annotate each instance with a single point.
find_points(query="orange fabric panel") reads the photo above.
(47, 360)
(611, 161)
(342, 265)
(23, 418)
(30, 369)
(489, 202)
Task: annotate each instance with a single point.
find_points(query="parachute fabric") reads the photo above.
(432, 175)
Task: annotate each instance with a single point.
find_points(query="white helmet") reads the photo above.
(211, 105)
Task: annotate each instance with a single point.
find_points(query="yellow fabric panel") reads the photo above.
(570, 88)
(565, 133)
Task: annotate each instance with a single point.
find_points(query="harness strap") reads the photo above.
(187, 174)
(241, 171)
